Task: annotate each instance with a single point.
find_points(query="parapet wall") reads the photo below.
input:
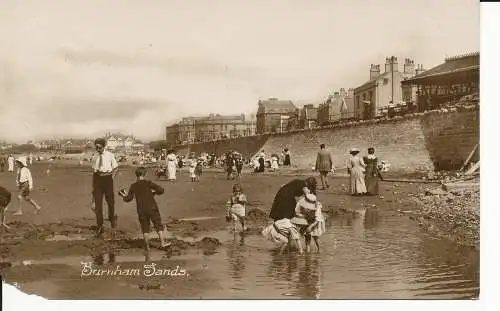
(420, 142)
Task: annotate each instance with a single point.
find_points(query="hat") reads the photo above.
(22, 160)
(308, 202)
(354, 150)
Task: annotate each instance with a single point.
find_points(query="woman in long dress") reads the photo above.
(356, 168)
(372, 173)
(286, 161)
(10, 162)
(171, 166)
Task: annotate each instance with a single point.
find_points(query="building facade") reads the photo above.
(172, 134)
(216, 127)
(339, 106)
(308, 117)
(454, 80)
(212, 127)
(384, 90)
(276, 116)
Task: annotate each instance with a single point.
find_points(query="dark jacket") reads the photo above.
(324, 162)
(143, 194)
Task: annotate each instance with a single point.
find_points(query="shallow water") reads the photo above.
(377, 256)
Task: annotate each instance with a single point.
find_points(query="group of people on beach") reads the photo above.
(296, 212)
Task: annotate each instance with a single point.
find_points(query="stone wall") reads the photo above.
(420, 142)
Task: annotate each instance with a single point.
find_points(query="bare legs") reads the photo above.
(324, 180)
(163, 241)
(30, 201)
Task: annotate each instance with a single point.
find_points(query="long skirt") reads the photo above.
(287, 160)
(171, 170)
(371, 183)
(357, 181)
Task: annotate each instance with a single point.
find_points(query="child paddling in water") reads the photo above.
(235, 207)
(147, 210)
(309, 219)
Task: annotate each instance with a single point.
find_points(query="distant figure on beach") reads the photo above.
(3, 162)
(286, 155)
(105, 167)
(262, 161)
(238, 162)
(10, 162)
(372, 174)
(274, 162)
(230, 165)
(356, 168)
(30, 159)
(24, 182)
(171, 165)
(324, 164)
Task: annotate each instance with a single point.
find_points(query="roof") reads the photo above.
(368, 84)
(452, 65)
(274, 105)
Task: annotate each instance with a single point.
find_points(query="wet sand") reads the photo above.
(46, 251)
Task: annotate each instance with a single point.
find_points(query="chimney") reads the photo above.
(387, 64)
(374, 71)
(409, 66)
(420, 69)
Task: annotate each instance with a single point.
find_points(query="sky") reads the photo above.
(72, 68)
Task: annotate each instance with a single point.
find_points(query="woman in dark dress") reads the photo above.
(372, 173)
(286, 161)
(285, 200)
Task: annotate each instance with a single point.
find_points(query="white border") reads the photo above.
(490, 259)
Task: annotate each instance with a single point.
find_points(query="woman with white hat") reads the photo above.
(24, 183)
(356, 168)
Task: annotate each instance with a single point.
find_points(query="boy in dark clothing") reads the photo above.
(147, 210)
(5, 197)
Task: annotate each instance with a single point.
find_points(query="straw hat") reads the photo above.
(354, 150)
(22, 160)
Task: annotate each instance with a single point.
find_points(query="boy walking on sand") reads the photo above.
(24, 183)
(147, 209)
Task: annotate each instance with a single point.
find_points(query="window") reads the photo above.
(386, 81)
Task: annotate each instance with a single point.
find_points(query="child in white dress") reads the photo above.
(192, 168)
(309, 219)
(235, 207)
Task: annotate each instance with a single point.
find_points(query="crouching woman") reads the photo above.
(283, 232)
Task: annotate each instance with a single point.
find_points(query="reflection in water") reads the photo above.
(376, 256)
(100, 259)
(236, 257)
(308, 285)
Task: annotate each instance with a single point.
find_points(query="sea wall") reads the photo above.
(419, 142)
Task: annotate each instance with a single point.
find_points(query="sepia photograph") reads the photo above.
(240, 150)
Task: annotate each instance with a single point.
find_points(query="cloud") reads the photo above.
(70, 110)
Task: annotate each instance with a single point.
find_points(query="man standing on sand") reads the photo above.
(324, 164)
(105, 167)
